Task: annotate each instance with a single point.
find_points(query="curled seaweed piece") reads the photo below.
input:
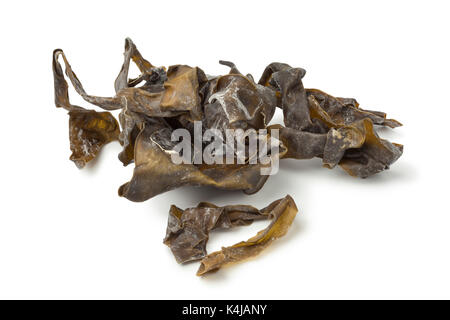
(132, 124)
(301, 144)
(231, 65)
(156, 173)
(354, 144)
(152, 75)
(181, 90)
(153, 99)
(89, 130)
(61, 87)
(374, 155)
(293, 97)
(188, 230)
(236, 102)
(356, 148)
(334, 129)
(344, 111)
(282, 212)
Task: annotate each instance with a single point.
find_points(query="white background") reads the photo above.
(64, 232)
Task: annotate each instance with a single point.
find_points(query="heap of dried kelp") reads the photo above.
(161, 100)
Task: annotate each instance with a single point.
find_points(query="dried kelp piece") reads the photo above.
(356, 148)
(60, 85)
(89, 130)
(342, 139)
(319, 116)
(270, 70)
(132, 124)
(155, 172)
(293, 97)
(282, 212)
(233, 68)
(181, 90)
(344, 111)
(330, 146)
(188, 230)
(301, 144)
(134, 99)
(178, 95)
(236, 102)
(152, 75)
(150, 99)
(320, 125)
(61, 95)
(375, 154)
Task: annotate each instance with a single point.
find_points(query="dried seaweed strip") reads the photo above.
(164, 94)
(301, 144)
(356, 148)
(346, 111)
(89, 130)
(132, 124)
(282, 212)
(236, 102)
(155, 172)
(375, 154)
(153, 76)
(61, 86)
(320, 125)
(149, 100)
(294, 101)
(177, 95)
(181, 90)
(188, 230)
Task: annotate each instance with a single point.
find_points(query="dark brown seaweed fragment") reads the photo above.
(132, 124)
(375, 154)
(188, 231)
(152, 75)
(155, 172)
(236, 102)
(356, 148)
(344, 111)
(89, 130)
(282, 212)
(61, 87)
(153, 99)
(294, 102)
(320, 125)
